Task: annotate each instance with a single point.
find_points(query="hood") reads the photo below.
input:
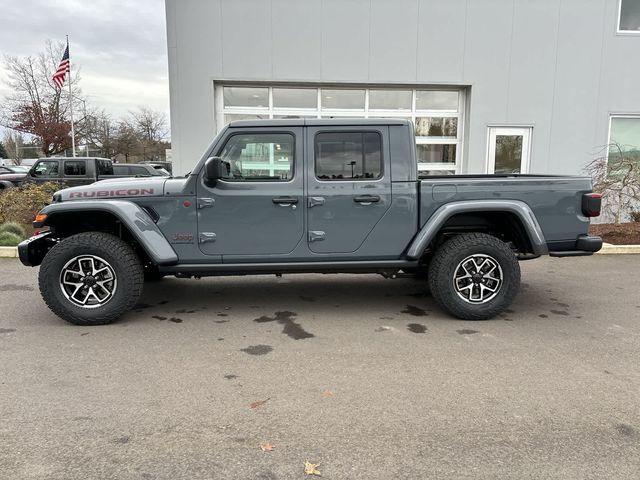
(13, 177)
(114, 188)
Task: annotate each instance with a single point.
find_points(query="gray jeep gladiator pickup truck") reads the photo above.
(301, 195)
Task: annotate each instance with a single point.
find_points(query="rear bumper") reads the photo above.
(584, 245)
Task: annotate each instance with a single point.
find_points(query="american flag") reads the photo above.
(63, 69)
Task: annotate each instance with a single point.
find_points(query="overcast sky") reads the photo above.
(120, 46)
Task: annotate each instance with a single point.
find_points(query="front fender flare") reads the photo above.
(132, 216)
(440, 216)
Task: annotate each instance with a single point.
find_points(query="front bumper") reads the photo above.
(584, 245)
(32, 250)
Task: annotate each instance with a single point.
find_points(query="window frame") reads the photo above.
(620, 31)
(635, 116)
(220, 110)
(64, 166)
(47, 161)
(382, 158)
(247, 132)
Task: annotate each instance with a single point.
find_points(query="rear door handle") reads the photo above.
(285, 201)
(366, 199)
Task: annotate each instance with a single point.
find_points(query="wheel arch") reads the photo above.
(510, 220)
(124, 219)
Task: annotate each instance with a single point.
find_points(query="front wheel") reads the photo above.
(474, 276)
(91, 278)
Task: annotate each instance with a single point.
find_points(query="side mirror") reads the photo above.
(215, 169)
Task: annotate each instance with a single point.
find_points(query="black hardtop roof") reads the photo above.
(319, 122)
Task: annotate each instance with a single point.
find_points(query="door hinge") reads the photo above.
(313, 201)
(207, 237)
(316, 235)
(205, 202)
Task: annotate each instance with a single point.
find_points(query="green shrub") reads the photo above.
(21, 204)
(13, 228)
(9, 239)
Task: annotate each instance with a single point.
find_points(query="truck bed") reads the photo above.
(554, 199)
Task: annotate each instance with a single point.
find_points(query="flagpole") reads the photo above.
(73, 133)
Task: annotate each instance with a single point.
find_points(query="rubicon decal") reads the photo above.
(125, 192)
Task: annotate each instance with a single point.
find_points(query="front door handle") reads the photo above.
(366, 199)
(285, 201)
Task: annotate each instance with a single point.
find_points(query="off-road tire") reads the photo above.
(120, 256)
(446, 260)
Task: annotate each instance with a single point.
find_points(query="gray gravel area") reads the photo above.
(363, 375)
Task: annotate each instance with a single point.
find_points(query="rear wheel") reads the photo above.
(91, 278)
(474, 276)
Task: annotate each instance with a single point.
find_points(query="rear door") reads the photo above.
(348, 186)
(257, 210)
(74, 172)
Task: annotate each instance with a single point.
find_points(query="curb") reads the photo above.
(8, 252)
(609, 249)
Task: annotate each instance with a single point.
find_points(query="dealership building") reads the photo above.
(492, 86)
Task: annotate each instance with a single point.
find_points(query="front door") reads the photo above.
(348, 186)
(508, 150)
(258, 208)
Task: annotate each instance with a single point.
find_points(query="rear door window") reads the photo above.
(348, 156)
(74, 168)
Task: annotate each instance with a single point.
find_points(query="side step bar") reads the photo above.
(293, 267)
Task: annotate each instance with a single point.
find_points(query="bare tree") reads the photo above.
(13, 142)
(617, 178)
(35, 106)
(151, 130)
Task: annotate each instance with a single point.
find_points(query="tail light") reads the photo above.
(591, 203)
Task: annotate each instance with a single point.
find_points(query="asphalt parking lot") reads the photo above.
(362, 375)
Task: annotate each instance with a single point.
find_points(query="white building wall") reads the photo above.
(555, 65)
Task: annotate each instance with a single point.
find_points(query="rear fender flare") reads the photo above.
(132, 216)
(429, 231)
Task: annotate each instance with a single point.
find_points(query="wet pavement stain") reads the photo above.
(563, 305)
(292, 329)
(417, 328)
(220, 339)
(7, 330)
(543, 315)
(83, 334)
(417, 295)
(222, 315)
(257, 349)
(415, 311)
(626, 430)
(158, 317)
(221, 321)
(12, 287)
(175, 320)
(560, 312)
(140, 306)
(163, 302)
(466, 331)
(386, 318)
(184, 310)
(230, 376)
